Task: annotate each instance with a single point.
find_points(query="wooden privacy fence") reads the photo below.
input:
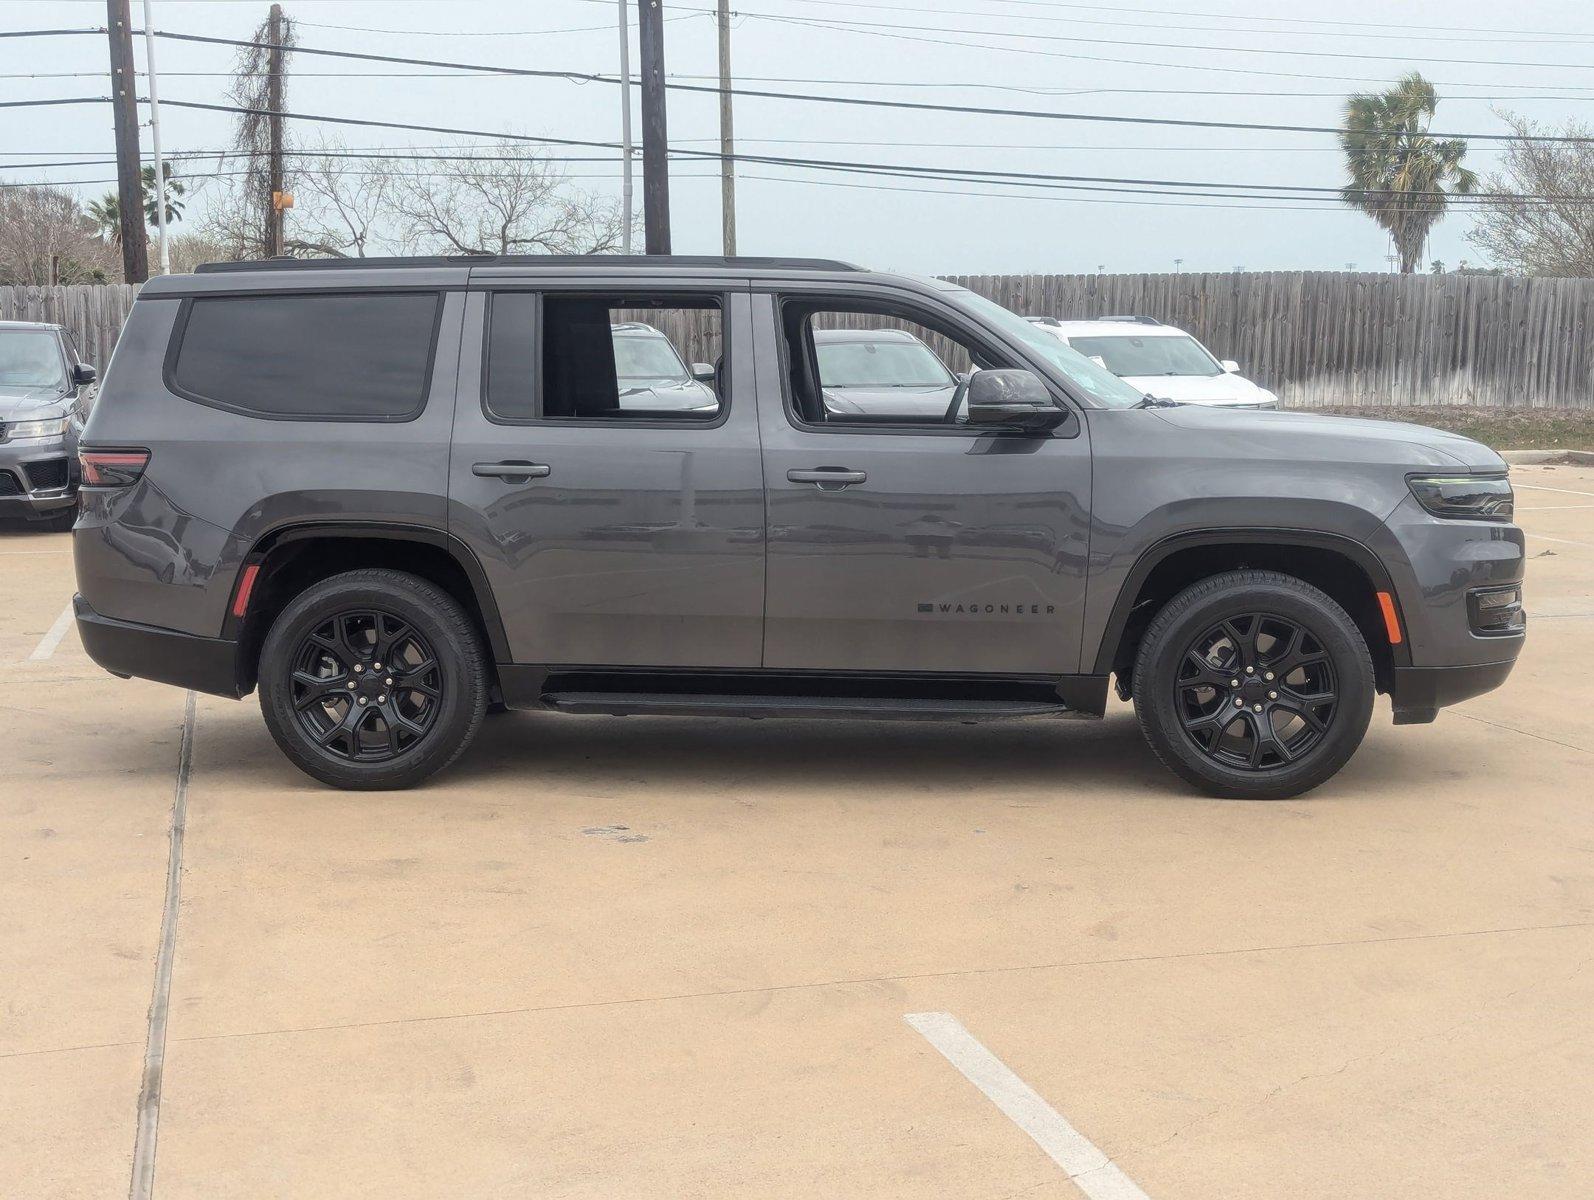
(94, 312)
(1320, 337)
(1316, 338)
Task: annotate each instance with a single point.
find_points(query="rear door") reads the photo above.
(617, 509)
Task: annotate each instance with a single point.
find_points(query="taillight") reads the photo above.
(112, 468)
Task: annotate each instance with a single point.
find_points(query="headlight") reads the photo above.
(54, 427)
(1480, 497)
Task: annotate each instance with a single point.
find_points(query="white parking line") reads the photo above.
(52, 639)
(1539, 537)
(1539, 487)
(1092, 1171)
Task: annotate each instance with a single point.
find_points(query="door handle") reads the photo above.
(511, 472)
(832, 476)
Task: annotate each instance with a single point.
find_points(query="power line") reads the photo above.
(1408, 34)
(964, 44)
(968, 175)
(864, 101)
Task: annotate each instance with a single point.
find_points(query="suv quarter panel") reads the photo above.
(167, 550)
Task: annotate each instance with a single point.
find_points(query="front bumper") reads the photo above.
(38, 476)
(186, 660)
(1420, 692)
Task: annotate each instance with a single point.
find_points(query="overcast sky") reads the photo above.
(1155, 58)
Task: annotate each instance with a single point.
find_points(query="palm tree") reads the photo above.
(1399, 175)
(106, 212)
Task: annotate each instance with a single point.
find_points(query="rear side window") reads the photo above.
(365, 357)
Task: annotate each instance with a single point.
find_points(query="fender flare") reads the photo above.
(391, 531)
(1150, 558)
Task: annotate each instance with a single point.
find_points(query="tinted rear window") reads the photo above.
(360, 357)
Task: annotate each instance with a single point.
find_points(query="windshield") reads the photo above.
(31, 358)
(1126, 355)
(642, 357)
(880, 365)
(1096, 382)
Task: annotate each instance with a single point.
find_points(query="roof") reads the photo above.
(640, 328)
(30, 325)
(634, 261)
(1113, 327)
(864, 335)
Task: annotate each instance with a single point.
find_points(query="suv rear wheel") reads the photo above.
(373, 679)
(1253, 685)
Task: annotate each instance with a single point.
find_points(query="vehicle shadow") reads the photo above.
(771, 754)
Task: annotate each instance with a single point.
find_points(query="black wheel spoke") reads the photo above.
(1200, 672)
(315, 689)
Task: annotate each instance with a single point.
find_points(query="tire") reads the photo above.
(1203, 669)
(328, 638)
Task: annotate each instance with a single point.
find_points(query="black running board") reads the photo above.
(623, 704)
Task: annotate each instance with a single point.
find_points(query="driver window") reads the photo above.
(862, 365)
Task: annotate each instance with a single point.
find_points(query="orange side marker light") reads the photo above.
(1391, 621)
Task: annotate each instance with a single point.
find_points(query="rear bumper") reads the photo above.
(183, 659)
(1420, 692)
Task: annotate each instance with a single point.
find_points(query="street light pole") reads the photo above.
(727, 135)
(625, 126)
(155, 140)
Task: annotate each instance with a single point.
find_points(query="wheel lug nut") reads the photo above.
(389, 682)
(382, 699)
(358, 668)
(1250, 670)
(1268, 676)
(1239, 703)
(362, 700)
(376, 666)
(1272, 695)
(1254, 707)
(1234, 683)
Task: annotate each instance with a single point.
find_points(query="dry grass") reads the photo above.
(1501, 428)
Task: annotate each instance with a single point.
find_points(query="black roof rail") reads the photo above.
(633, 261)
(1132, 320)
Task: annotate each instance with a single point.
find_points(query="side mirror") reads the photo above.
(84, 374)
(1229, 365)
(703, 372)
(1016, 399)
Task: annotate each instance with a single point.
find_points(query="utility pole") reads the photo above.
(625, 126)
(124, 110)
(655, 135)
(727, 135)
(155, 139)
(274, 212)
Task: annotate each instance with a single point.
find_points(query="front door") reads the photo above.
(900, 538)
(605, 471)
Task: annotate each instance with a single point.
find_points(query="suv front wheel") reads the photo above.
(373, 679)
(1254, 685)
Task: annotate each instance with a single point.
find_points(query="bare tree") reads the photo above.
(46, 237)
(346, 207)
(245, 220)
(503, 200)
(1552, 234)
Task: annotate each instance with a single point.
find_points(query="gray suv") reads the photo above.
(396, 495)
(45, 394)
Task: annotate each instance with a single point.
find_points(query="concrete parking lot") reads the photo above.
(655, 957)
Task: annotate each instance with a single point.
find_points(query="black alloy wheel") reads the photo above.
(1256, 692)
(366, 685)
(373, 679)
(1253, 685)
